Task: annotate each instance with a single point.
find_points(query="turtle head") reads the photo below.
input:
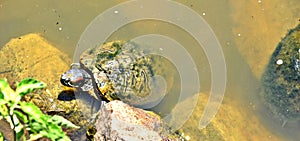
(75, 77)
(72, 78)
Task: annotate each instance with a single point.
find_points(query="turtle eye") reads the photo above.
(65, 81)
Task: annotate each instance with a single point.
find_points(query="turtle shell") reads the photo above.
(124, 71)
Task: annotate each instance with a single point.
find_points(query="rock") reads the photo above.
(119, 121)
(33, 56)
(6, 131)
(282, 76)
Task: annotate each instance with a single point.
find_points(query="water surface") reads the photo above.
(247, 30)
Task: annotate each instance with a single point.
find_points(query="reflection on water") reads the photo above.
(247, 30)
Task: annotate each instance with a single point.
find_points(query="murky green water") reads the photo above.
(62, 23)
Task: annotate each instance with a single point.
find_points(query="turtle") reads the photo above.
(120, 70)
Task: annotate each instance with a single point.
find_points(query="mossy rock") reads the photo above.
(32, 56)
(281, 80)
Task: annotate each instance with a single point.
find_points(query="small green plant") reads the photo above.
(25, 117)
(1, 137)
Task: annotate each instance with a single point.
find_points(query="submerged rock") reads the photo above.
(119, 121)
(281, 80)
(33, 56)
(233, 122)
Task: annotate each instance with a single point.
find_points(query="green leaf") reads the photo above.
(18, 127)
(1, 95)
(34, 137)
(26, 116)
(1, 137)
(61, 121)
(17, 123)
(28, 85)
(12, 105)
(3, 108)
(31, 110)
(6, 92)
(21, 116)
(19, 134)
